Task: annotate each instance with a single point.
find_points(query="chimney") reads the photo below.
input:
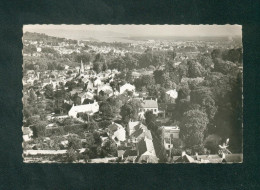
(196, 156)
(183, 153)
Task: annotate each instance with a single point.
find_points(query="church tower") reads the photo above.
(81, 67)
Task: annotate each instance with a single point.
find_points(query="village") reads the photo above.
(114, 110)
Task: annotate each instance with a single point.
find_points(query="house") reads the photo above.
(86, 108)
(185, 158)
(139, 134)
(97, 82)
(146, 152)
(27, 133)
(39, 49)
(228, 158)
(126, 87)
(75, 90)
(169, 133)
(136, 74)
(136, 131)
(107, 89)
(86, 95)
(171, 96)
(117, 133)
(132, 127)
(149, 105)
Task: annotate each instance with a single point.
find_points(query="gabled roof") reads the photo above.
(148, 134)
(146, 145)
(114, 127)
(132, 124)
(149, 104)
(85, 108)
(172, 93)
(185, 159)
(137, 133)
(147, 159)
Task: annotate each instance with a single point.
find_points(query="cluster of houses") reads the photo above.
(135, 143)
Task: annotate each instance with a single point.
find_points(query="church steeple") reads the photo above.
(81, 67)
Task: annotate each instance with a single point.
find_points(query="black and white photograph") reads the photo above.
(132, 94)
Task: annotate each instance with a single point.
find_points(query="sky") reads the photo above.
(136, 30)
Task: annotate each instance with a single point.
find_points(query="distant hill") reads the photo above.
(43, 37)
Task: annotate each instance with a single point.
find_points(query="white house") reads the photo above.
(117, 132)
(106, 89)
(86, 95)
(39, 49)
(149, 105)
(97, 82)
(87, 108)
(171, 95)
(125, 87)
(27, 133)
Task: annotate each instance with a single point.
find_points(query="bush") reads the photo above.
(212, 142)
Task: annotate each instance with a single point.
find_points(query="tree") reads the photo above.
(147, 80)
(171, 54)
(70, 84)
(104, 66)
(209, 107)
(192, 128)
(39, 128)
(212, 143)
(233, 55)
(92, 126)
(177, 147)
(48, 91)
(130, 61)
(30, 49)
(130, 110)
(183, 69)
(109, 148)
(216, 53)
(32, 96)
(225, 67)
(199, 94)
(99, 58)
(97, 67)
(206, 61)
(184, 91)
(150, 120)
(195, 69)
(129, 77)
(221, 87)
(106, 110)
(158, 76)
(84, 57)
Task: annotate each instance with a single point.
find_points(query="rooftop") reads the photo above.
(149, 104)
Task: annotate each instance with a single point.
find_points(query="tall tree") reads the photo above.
(97, 67)
(193, 126)
(130, 110)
